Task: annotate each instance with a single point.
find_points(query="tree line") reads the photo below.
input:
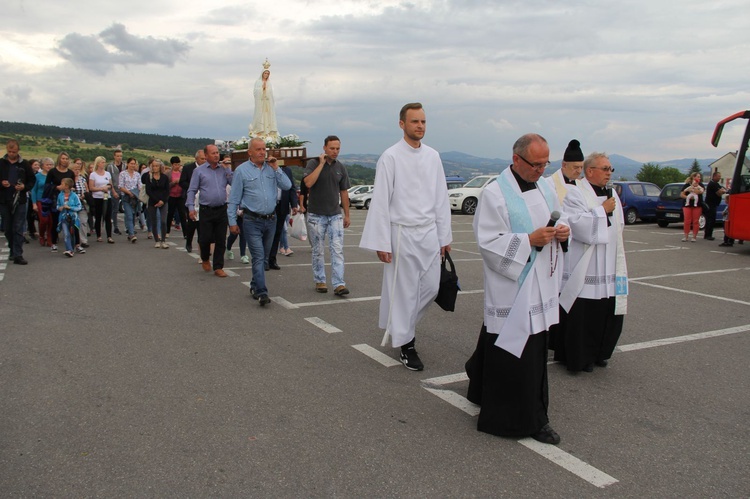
(128, 140)
(661, 176)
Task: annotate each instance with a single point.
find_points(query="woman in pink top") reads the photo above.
(176, 203)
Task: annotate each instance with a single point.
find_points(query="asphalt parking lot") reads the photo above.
(129, 371)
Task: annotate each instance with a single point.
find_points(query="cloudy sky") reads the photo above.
(645, 79)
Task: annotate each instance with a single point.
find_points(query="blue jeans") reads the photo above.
(67, 236)
(332, 226)
(259, 236)
(129, 214)
(283, 241)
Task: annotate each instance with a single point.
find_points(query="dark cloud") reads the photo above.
(115, 46)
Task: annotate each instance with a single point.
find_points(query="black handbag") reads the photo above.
(446, 297)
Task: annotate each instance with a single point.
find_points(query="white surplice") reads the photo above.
(593, 247)
(409, 217)
(557, 182)
(511, 311)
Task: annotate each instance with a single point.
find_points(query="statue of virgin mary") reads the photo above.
(264, 117)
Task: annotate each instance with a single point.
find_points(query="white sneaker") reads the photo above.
(693, 239)
(245, 259)
(164, 245)
(230, 255)
(684, 239)
(157, 245)
(54, 248)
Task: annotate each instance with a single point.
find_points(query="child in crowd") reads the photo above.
(68, 205)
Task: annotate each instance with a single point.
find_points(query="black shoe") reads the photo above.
(726, 245)
(709, 238)
(546, 435)
(589, 368)
(266, 267)
(253, 294)
(19, 260)
(411, 360)
(601, 363)
(188, 247)
(274, 266)
(264, 300)
(117, 231)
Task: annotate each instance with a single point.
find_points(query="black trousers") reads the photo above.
(280, 220)
(101, 210)
(176, 204)
(213, 224)
(710, 215)
(188, 226)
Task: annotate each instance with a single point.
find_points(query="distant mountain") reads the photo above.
(468, 166)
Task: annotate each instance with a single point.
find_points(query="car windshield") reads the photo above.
(476, 182)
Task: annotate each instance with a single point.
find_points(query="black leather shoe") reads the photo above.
(266, 268)
(188, 247)
(274, 266)
(19, 260)
(710, 238)
(589, 368)
(546, 435)
(264, 300)
(253, 294)
(117, 231)
(726, 245)
(601, 363)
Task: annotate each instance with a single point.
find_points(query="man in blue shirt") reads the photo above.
(254, 191)
(210, 181)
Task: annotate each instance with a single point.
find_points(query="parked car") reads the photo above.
(669, 207)
(465, 198)
(454, 182)
(359, 189)
(362, 199)
(639, 200)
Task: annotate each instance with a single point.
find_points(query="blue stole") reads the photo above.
(518, 212)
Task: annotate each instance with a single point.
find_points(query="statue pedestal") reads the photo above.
(287, 156)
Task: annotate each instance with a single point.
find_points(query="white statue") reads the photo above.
(264, 117)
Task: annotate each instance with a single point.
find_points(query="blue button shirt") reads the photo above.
(255, 189)
(211, 183)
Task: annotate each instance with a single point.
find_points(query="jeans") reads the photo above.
(129, 215)
(114, 206)
(319, 227)
(259, 235)
(13, 227)
(68, 238)
(233, 237)
(283, 240)
(158, 226)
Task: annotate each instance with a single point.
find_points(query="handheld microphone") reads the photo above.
(608, 187)
(553, 218)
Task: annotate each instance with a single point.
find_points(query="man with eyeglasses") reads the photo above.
(594, 298)
(523, 267)
(572, 165)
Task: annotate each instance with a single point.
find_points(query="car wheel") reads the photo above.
(469, 206)
(367, 204)
(631, 216)
(662, 223)
(701, 222)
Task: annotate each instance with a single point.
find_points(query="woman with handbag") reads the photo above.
(130, 186)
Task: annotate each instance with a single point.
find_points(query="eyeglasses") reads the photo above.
(536, 166)
(606, 169)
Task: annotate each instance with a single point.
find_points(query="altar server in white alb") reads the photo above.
(409, 226)
(522, 257)
(595, 294)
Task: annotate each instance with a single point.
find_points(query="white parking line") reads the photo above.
(555, 454)
(570, 463)
(682, 274)
(674, 248)
(685, 291)
(339, 301)
(376, 355)
(681, 339)
(320, 323)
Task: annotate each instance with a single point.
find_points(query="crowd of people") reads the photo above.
(555, 273)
